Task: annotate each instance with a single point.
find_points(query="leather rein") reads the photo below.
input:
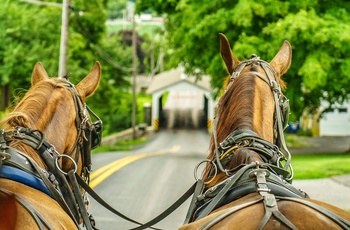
(54, 178)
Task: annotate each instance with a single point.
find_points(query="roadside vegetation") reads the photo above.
(313, 166)
(121, 146)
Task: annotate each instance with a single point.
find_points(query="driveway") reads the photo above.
(332, 144)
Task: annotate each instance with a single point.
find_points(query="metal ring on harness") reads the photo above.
(4, 156)
(196, 170)
(70, 158)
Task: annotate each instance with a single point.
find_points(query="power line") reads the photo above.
(100, 51)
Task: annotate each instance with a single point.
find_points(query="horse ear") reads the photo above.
(39, 73)
(89, 84)
(281, 62)
(229, 58)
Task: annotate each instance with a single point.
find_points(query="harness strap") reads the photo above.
(193, 204)
(56, 195)
(30, 138)
(271, 208)
(224, 190)
(94, 195)
(79, 200)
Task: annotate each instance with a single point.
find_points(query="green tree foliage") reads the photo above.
(317, 29)
(116, 8)
(30, 33)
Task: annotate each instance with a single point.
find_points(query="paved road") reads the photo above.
(147, 186)
(142, 187)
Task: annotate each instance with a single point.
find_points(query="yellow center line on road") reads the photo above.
(102, 173)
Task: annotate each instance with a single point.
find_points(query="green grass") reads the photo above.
(121, 146)
(295, 141)
(313, 166)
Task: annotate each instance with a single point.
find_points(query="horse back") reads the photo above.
(301, 216)
(21, 198)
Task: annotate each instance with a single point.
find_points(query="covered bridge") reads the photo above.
(181, 101)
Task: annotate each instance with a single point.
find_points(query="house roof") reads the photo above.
(168, 78)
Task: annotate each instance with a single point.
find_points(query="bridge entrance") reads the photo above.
(181, 101)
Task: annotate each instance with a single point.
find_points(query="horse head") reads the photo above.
(49, 135)
(248, 169)
(248, 108)
(56, 108)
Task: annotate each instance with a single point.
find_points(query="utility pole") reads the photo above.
(134, 73)
(62, 66)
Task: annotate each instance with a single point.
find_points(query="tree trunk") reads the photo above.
(5, 97)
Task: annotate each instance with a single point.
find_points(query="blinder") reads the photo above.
(285, 110)
(95, 131)
(91, 138)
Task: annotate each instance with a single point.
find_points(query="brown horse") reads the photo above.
(44, 142)
(248, 174)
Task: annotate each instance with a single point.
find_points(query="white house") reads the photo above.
(335, 122)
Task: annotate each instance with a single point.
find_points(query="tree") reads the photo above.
(22, 45)
(30, 33)
(116, 8)
(318, 31)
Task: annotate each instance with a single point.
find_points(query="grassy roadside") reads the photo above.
(313, 166)
(120, 146)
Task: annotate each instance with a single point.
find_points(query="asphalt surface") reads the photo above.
(334, 190)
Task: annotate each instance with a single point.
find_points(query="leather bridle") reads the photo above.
(278, 149)
(84, 142)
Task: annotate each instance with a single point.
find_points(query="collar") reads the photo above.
(16, 174)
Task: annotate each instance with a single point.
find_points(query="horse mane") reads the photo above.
(235, 107)
(235, 110)
(32, 106)
(29, 110)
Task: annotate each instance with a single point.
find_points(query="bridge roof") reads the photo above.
(172, 77)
